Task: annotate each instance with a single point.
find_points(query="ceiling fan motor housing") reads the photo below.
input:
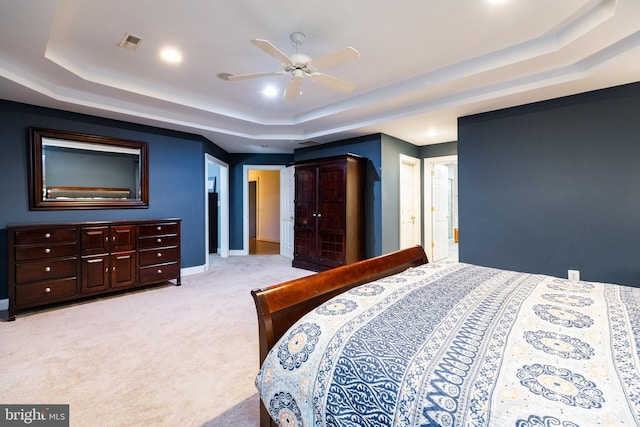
(300, 62)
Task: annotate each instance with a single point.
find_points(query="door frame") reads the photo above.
(245, 202)
(224, 207)
(415, 197)
(253, 207)
(428, 217)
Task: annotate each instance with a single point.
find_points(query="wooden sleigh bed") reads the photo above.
(398, 341)
(280, 306)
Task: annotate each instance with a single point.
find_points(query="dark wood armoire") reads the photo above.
(329, 212)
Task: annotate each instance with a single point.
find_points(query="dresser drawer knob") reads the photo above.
(47, 236)
(47, 290)
(159, 240)
(159, 271)
(47, 251)
(47, 269)
(159, 254)
(158, 228)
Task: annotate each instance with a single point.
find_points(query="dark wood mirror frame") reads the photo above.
(76, 195)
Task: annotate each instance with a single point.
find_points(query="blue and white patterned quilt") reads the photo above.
(461, 345)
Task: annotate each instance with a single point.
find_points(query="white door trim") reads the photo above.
(415, 197)
(224, 207)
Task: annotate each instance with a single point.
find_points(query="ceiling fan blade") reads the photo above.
(338, 57)
(271, 50)
(293, 89)
(332, 82)
(233, 77)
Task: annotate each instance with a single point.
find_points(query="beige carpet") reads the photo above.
(170, 356)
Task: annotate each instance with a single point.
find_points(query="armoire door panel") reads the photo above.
(333, 216)
(304, 245)
(332, 249)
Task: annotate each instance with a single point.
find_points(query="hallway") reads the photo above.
(261, 247)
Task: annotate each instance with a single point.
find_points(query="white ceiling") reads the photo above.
(423, 63)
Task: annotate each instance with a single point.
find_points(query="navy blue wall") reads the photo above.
(554, 186)
(369, 147)
(439, 150)
(176, 175)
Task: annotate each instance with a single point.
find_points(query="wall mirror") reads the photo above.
(76, 171)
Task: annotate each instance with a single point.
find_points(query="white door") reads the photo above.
(287, 193)
(440, 211)
(409, 202)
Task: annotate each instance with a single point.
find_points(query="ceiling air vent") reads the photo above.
(129, 41)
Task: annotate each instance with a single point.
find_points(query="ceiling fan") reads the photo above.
(300, 65)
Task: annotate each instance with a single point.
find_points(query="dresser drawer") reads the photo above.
(158, 242)
(45, 270)
(45, 251)
(158, 273)
(158, 256)
(56, 235)
(158, 229)
(43, 292)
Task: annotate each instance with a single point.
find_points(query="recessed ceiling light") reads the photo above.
(171, 55)
(270, 91)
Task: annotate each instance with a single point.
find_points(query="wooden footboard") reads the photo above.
(280, 306)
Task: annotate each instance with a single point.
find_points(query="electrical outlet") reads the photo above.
(574, 275)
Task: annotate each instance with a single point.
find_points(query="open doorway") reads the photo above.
(264, 212)
(216, 208)
(267, 209)
(441, 208)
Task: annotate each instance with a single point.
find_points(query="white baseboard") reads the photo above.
(4, 304)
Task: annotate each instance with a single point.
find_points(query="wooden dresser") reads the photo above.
(329, 212)
(53, 263)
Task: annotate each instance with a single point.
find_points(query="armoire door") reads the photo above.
(330, 215)
(305, 245)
